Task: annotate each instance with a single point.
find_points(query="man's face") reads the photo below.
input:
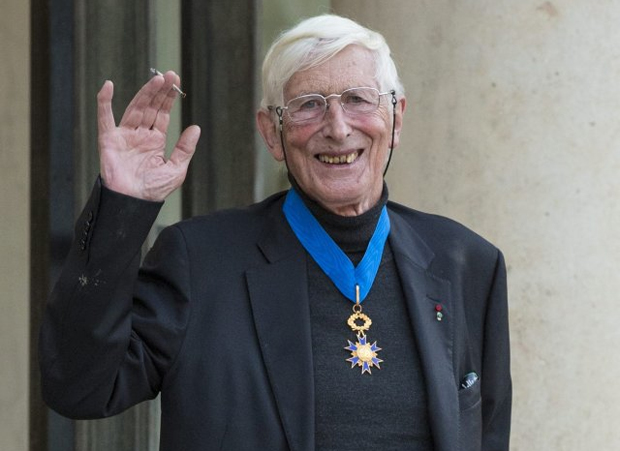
(353, 184)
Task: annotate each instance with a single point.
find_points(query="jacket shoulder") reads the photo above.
(232, 224)
(446, 237)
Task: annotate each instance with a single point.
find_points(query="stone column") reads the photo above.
(51, 189)
(512, 129)
(114, 40)
(219, 72)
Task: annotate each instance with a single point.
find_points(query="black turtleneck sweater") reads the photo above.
(385, 410)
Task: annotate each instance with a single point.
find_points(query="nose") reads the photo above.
(336, 121)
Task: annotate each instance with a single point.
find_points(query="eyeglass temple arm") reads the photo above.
(394, 102)
(280, 113)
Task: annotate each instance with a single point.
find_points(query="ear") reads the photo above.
(398, 125)
(270, 131)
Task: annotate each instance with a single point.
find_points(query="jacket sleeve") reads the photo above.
(496, 386)
(110, 330)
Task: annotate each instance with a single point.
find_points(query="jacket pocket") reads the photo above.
(469, 397)
(470, 418)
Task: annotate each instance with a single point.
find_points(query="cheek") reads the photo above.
(379, 130)
(300, 137)
(376, 124)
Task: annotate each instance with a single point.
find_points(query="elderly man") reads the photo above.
(322, 318)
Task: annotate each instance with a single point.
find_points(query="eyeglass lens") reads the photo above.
(353, 101)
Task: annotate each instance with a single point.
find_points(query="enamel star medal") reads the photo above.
(363, 354)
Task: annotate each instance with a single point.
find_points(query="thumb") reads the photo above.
(185, 147)
(105, 117)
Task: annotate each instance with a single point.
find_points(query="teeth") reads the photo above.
(350, 158)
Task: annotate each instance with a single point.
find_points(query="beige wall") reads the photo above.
(14, 223)
(512, 129)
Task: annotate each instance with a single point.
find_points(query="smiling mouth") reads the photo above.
(341, 159)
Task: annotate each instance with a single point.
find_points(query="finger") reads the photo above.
(163, 115)
(160, 104)
(105, 116)
(136, 109)
(185, 148)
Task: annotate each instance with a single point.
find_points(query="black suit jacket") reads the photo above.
(217, 321)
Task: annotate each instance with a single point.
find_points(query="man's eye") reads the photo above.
(312, 104)
(355, 99)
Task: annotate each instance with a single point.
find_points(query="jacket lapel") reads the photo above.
(423, 292)
(279, 299)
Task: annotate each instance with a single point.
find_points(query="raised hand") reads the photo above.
(132, 154)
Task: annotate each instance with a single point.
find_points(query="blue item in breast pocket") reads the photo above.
(469, 380)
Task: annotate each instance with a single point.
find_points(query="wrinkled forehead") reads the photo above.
(352, 67)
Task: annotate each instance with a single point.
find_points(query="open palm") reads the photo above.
(132, 154)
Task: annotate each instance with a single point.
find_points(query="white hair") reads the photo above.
(314, 41)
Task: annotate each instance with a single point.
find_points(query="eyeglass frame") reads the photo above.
(280, 109)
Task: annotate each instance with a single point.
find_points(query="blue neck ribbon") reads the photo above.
(328, 255)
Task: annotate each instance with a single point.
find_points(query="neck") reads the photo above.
(345, 210)
(350, 210)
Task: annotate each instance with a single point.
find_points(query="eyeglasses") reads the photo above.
(312, 107)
